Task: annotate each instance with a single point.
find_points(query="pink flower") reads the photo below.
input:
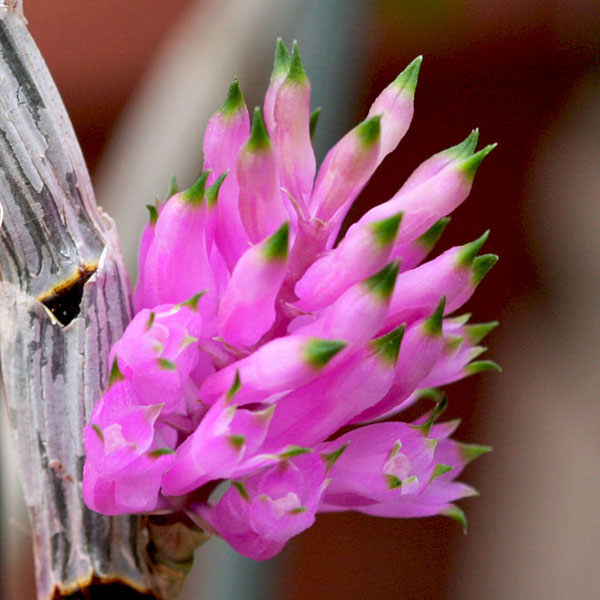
(257, 337)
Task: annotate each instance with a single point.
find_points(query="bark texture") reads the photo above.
(64, 299)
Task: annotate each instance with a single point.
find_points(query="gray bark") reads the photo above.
(57, 251)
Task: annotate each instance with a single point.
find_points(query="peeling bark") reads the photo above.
(64, 299)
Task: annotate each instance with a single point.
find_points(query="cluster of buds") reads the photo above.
(251, 386)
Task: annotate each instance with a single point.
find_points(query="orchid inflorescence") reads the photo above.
(250, 387)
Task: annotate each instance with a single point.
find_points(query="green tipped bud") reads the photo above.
(195, 194)
(276, 246)
(153, 214)
(235, 387)
(478, 331)
(433, 325)
(482, 365)
(193, 301)
(314, 119)
(237, 441)
(291, 451)
(332, 457)
(296, 74)
(407, 80)
(470, 165)
(283, 60)
(456, 513)
(173, 186)
(166, 364)
(212, 193)
(438, 470)
(466, 148)
(382, 283)
(160, 452)
(99, 433)
(241, 488)
(469, 251)
(369, 131)
(386, 231)
(318, 352)
(388, 345)
(259, 138)
(470, 452)
(115, 373)
(481, 265)
(234, 101)
(430, 238)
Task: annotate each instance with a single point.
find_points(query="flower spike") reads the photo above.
(253, 383)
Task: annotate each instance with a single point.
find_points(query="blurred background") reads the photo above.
(140, 80)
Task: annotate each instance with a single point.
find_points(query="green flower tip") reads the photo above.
(369, 131)
(282, 61)
(331, 458)
(291, 451)
(433, 325)
(439, 408)
(150, 320)
(317, 352)
(160, 452)
(438, 470)
(241, 488)
(259, 138)
(478, 331)
(314, 119)
(385, 231)
(481, 265)
(470, 452)
(166, 365)
(276, 246)
(99, 433)
(388, 345)
(482, 365)
(115, 373)
(469, 251)
(431, 237)
(470, 165)
(235, 386)
(237, 442)
(456, 513)
(195, 194)
(392, 481)
(407, 80)
(466, 148)
(192, 303)
(296, 74)
(153, 214)
(382, 284)
(234, 102)
(173, 186)
(212, 193)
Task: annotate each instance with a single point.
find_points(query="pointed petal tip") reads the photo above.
(388, 346)
(234, 101)
(369, 131)
(281, 64)
(318, 352)
(407, 80)
(433, 325)
(314, 120)
(469, 452)
(481, 265)
(212, 193)
(153, 214)
(469, 251)
(276, 246)
(173, 187)
(382, 283)
(470, 164)
(259, 137)
(195, 193)
(431, 237)
(466, 148)
(456, 513)
(296, 72)
(482, 365)
(386, 230)
(478, 331)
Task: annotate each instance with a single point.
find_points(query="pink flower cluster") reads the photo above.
(258, 339)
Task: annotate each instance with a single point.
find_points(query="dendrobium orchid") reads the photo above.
(258, 336)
